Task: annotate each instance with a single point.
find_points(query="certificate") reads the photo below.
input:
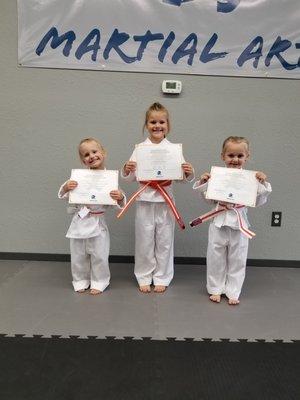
(232, 185)
(94, 186)
(159, 162)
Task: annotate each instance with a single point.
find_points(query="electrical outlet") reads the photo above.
(276, 218)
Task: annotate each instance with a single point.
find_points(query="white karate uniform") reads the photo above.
(228, 247)
(89, 245)
(154, 232)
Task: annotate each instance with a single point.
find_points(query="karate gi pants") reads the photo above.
(226, 261)
(89, 262)
(154, 243)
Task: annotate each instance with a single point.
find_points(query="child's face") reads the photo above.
(235, 155)
(92, 155)
(157, 126)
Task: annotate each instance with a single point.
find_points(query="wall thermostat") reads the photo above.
(172, 87)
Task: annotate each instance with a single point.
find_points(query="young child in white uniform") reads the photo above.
(154, 221)
(227, 246)
(88, 232)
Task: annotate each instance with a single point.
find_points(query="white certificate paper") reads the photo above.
(156, 163)
(94, 186)
(231, 185)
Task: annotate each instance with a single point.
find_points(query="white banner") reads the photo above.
(258, 38)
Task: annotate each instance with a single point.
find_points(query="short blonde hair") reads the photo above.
(235, 139)
(160, 108)
(88, 140)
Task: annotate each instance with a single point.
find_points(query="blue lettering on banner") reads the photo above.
(185, 52)
(84, 47)
(206, 56)
(227, 6)
(277, 48)
(57, 41)
(164, 48)
(248, 54)
(115, 42)
(176, 2)
(182, 50)
(223, 6)
(145, 39)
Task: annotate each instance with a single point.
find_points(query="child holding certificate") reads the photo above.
(228, 233)
(155, 210)
(88, 232)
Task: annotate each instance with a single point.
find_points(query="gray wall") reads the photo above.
(44, 113)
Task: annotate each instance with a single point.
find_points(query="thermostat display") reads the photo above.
(173, 87)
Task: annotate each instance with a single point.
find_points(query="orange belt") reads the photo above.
(159, 186)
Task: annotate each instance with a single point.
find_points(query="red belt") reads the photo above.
(159, 186)
(91, 213)
(221, 208)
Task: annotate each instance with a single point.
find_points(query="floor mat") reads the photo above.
(72, 368)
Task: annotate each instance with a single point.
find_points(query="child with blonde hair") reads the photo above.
(88, 232)
(227, 244)
(154, 221)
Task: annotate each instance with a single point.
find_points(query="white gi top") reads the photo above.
(229, 217)
(89, 226)
(151, 194)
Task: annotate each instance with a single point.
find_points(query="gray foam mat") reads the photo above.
(36, 298)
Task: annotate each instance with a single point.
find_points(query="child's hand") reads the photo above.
(117, 195)
(204, 178)
(70, 185)
(130, 166)
(261, 177)
(187, 168)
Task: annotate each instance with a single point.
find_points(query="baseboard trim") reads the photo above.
(130, 259)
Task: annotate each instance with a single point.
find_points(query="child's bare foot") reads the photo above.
(233, 302)
(94, 292)
(216, 298)
(159, 288)
(145, 288)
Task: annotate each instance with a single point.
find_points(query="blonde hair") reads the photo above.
(160, 108)
(235, 139)
(88, 140)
